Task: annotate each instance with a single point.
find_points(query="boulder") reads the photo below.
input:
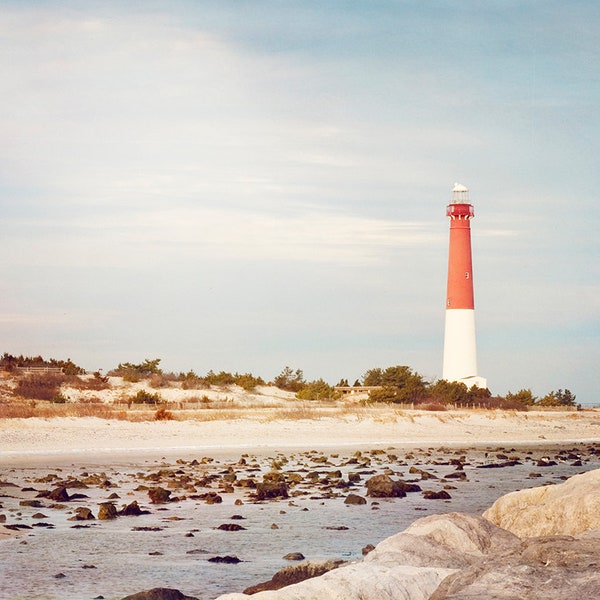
(268, 491)
(354, 499)
(107, 511)
(82, 514)
(295, 574)
(568, 508)
(132, 510)
(159, 594)
(548, 568)
(159, 495)
(58, 494)
(294, 556)
(383, 486)
(441, 495)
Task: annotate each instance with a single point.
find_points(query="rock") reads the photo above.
(159, 594)
(82, 514)
(159, 495)
(383, 486)
(212, 498)
(550, 568)
(368, 548)
(295, 574)
(268, 491)
(230, 560)
(107, 511)
(58, 494)
(568, 508)
(441, 495)
(231, 527)
(294, 556)
(37, 515)
(354, 499)
(132, 510)
(32, 503)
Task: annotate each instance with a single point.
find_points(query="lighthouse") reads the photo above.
(460, 352)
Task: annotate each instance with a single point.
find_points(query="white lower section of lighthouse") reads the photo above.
(460, 352)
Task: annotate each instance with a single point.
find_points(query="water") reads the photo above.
(112, 559)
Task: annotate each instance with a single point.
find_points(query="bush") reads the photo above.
(557, 398)
(290, 380)
(317, 390)
(144, 397)
(133, 373)
(401, 385)
(162, 414)
(39, 387)
(248, 381)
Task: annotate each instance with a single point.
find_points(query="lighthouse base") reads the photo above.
(460, 352)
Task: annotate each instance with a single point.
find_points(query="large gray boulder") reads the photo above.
(569, 508)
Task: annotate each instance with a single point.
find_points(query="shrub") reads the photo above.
(39, 387)
(162, 414)
(248, 381)
(433, 406)
(317, 390)
(144, 397)
(290, 380)
(133, 373)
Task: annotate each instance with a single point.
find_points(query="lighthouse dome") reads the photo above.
(460, 194)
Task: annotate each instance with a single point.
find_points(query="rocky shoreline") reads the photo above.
(54, 501)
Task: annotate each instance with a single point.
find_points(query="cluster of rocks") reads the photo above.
(549, 550)
(359, 479)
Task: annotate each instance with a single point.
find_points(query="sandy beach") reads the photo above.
(57, 470)
(90, 436)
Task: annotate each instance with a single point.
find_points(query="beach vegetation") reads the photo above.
(133, 373)
(317, 390)
(523, 397)
(558, 398)
(11, 363)
(145, 397)
(39, 386)
(398, 384)
(290, 380)
(162, 414)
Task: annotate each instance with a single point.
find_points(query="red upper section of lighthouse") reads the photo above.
(460, 267)
(460, 211)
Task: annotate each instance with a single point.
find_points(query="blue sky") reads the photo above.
(247, 185)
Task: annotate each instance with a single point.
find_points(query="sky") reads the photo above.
(245, 185)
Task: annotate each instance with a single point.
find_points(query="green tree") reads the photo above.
(317, 390)
(373, 377)
(401, 385)
(523, 397)
(557, 398)
(290, 380)
(449, 392)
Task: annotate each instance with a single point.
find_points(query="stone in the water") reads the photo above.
(294, 556)
(431, 495)
(231, 527)
(354, 499)
(160, 594)
(159, 495)
(107, 511)
(133, 509)
(268, 490)
(295, 574)
(230, 560)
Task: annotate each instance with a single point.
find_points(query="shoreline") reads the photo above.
(91, 439)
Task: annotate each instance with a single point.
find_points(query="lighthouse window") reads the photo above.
(467, 275)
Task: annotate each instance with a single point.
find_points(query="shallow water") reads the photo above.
(111, 559)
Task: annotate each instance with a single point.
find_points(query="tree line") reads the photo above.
(398, 384)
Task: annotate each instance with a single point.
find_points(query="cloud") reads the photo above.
(134, 239)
